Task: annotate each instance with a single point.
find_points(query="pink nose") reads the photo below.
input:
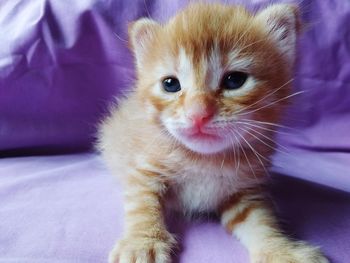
(200, 118)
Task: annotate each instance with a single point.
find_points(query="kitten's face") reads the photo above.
(213, 71)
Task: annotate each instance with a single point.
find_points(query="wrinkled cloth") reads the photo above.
(62, 62)
(68, 209)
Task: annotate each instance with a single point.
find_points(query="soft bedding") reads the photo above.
(69, 209)
(61, 64)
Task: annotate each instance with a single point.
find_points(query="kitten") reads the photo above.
(197, 131)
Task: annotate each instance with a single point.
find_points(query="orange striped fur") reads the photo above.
(149, 143)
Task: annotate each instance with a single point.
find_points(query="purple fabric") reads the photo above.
(67, 209)
(61, 63)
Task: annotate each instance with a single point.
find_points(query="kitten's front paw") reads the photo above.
(292, 252)
(135, 249)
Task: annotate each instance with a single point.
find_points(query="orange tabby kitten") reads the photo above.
(196, 132)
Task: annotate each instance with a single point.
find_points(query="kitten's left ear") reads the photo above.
(141, 34)
(282, 23)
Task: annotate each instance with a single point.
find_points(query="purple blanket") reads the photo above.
(61, 63)
(68, 209)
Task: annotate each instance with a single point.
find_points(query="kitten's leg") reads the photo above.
(250, 218)
(146, 239)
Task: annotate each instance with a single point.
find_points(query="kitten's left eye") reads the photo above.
(234, 80)
(171, 84)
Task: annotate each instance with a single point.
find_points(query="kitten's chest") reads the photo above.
(202, 188)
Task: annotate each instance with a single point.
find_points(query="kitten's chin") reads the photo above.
(204, 144)
(205, 147)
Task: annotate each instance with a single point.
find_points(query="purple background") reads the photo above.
(61, 63)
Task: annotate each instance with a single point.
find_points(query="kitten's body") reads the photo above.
(195, 182)
(203, 148)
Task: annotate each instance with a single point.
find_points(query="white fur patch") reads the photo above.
(214, 68)
(237, 63)
(253, 232)
(201, 187)
(250, 84)
(185, 71)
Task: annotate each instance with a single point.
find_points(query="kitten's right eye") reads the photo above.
(171, 84)
(234, 80)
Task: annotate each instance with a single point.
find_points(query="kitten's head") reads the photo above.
(213, 71)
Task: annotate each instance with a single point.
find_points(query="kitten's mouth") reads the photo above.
(203, 136)
(204, 140)
(199, 134)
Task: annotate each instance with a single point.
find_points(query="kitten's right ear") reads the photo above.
(141, 34)
(282, 24)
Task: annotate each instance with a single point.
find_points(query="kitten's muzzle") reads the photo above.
(200, 115)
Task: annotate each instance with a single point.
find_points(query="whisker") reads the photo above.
(270, 123)
(174, 145)
(244, 153)
(223, 161)
(251, 44)
(244, 33)
(256, 137)
(251, 147)
(236, 156)
(267, 138)
(264, 128)
(273, 103)
(146, 7)
(162, 132)
(256, 153)
(120, 38)
(266, 96)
